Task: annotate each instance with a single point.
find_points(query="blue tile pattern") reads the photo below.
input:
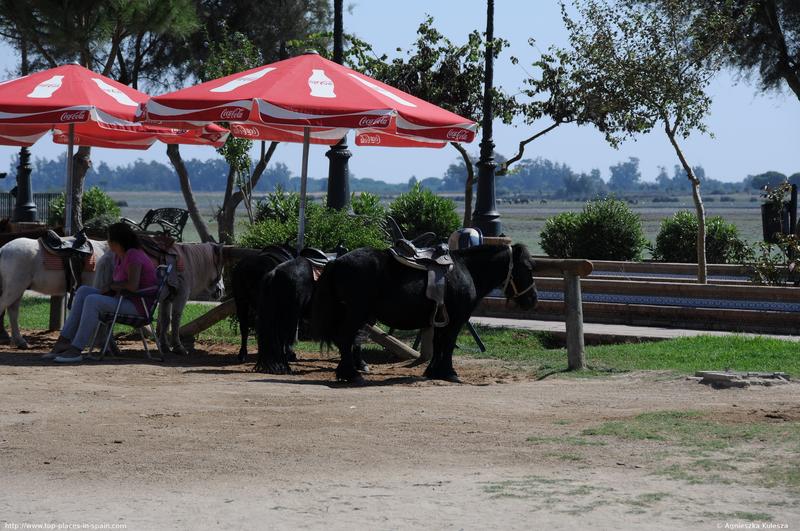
(726, 304)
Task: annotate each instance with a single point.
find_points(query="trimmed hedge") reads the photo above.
(606, 229)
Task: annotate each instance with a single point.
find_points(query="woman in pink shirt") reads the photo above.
(133, 271)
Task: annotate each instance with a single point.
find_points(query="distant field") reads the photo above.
(521, 222)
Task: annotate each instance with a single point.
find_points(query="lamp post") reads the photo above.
(338, 154)
(486, 217)
(24, 208)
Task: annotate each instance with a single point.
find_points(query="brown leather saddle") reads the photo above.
(73, 253)
(437, 262)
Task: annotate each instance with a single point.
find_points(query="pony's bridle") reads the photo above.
(510, 278)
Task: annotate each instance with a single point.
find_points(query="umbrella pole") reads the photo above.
(68, 195)
(301, 226)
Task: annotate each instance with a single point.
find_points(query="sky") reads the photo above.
(753, 132)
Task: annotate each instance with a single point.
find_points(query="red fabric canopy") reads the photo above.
(139, 136)
(21, 135)
(309, 91)
(287, 133)
(67, 94)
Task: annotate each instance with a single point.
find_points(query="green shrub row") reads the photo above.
(417, 211)
(607, 229)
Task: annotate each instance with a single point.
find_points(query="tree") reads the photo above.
(765, 36)
(93, 33)
(235, 53)
(646, 68)
(625, 176)
(443, 73)
(769, 179)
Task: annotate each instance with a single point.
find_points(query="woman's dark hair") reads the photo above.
(123, 234)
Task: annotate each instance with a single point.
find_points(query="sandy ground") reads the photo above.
(197, 443)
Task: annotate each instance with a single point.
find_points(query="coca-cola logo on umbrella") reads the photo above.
(374, 121)
(241, 130)
(368, 139)
(321, 85)
(73, 116)
(458, 135)
(236, 113)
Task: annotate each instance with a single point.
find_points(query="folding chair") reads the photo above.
(136, 321)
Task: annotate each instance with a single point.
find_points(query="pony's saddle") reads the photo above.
(161, 250)
(73, 253)
(437, 262)
(318, 260)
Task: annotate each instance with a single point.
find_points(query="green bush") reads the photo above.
(558, 235)
(609, 230)
(419, 211)
(97, 208)
(368, 206)
(277, 218)
(278, 206)
(677, 240)
(606, 229)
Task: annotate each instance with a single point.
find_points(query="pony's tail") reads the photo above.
(268, 327)
(324, 306)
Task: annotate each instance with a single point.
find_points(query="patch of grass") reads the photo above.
(786, 473)
(545, 490)
(682, 355)
(536, 350)
(648, 499)
(690, 429)
(753, 517)
(570, 440)
(35, 315)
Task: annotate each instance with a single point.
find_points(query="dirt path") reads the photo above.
(199, 444)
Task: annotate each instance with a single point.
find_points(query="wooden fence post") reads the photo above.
(57, 311)
(573, 306)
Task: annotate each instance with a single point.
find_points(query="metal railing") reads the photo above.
(42, 201)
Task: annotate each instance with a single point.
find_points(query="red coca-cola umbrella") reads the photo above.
(67, 95)
(84, 107)
(311, 93)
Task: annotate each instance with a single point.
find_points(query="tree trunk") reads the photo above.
(81, 162)
(227, 214)
(786, 67)
(702, 267)
(468, 185)
(174, 154)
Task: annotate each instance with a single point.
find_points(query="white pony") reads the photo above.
(21, 268)
(199, 277)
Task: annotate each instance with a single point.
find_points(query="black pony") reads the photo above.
(369, 285)
(247, 276)
(283, 301)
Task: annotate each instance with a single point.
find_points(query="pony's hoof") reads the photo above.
(21, 344)
(356, 381)
(451, 377)
(242, 357)
(292, 355)
(273, 367)
(362, 367)
(179, 351)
